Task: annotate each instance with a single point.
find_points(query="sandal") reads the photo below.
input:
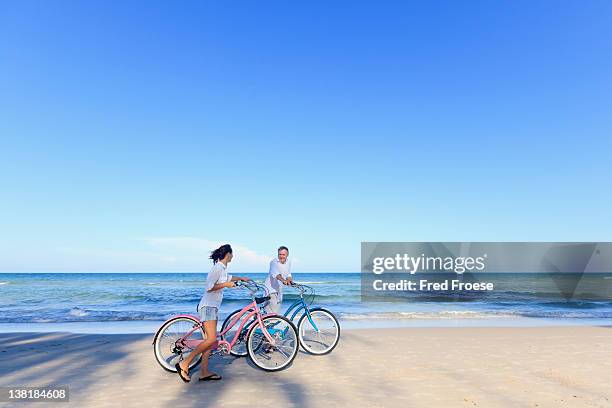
(180, 372)
(212, 377)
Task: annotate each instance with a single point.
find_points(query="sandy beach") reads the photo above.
(407, 367)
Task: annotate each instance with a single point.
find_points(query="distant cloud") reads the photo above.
(196, 250)
(156, 254)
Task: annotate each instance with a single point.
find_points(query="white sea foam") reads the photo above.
(449, 314)
(453, 314)
(77, 312)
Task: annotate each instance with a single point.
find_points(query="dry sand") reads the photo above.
(408, 367)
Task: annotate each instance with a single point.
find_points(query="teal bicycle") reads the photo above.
(318, 328)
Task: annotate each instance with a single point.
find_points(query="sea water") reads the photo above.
(140, 302)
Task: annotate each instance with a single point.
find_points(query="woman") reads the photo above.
(217, 280)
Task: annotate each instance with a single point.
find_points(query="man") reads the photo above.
(280, 271)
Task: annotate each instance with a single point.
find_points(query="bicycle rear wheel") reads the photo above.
(279, 354)
(323, 338)
(167, 351)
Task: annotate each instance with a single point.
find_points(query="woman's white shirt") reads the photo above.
(218, 274)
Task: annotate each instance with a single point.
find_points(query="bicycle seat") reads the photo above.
(259, 300)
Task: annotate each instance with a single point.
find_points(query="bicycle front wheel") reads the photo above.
(167, 351)
(278, 354)
(320, 334)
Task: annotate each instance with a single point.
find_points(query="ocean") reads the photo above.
(140, 302)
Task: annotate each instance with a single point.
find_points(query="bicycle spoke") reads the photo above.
(276, 355)
(166, 349)
(324, 337)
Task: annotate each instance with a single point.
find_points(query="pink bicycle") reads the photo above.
(271, 341)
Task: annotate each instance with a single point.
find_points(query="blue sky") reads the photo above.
(137, 135)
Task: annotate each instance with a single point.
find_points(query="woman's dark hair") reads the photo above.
(220, 253)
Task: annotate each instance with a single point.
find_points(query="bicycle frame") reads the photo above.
(299, 305)
(251, 309)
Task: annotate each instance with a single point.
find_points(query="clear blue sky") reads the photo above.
(135, 135)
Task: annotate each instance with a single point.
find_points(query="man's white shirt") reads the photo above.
(277, 268)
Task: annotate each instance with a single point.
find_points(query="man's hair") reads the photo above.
(280, 248)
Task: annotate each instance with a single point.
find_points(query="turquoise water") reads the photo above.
(141, 301)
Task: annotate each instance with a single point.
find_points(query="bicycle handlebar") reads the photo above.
(251, 286)
(301, 287)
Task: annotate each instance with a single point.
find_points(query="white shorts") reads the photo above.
(208, 313)
(275, 304)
